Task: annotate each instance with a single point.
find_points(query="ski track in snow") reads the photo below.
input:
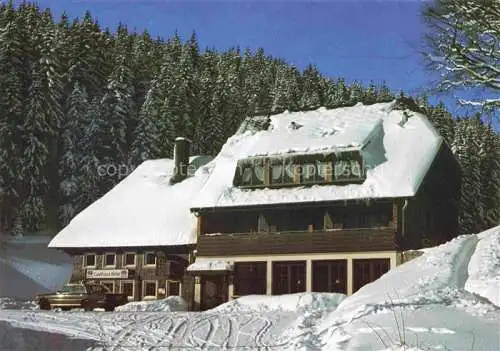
(266, 329)
(154, 330)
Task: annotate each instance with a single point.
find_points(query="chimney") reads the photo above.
(181, 159)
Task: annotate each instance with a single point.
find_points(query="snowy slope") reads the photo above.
(143, 209)
(382, 134)
(28, 267)
(421, 305)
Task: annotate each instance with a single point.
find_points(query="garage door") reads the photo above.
(367, 270)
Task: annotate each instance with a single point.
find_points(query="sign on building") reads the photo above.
(107, 273)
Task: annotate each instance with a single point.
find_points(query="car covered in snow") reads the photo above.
(86, 295)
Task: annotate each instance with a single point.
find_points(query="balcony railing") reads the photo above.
(319, 241)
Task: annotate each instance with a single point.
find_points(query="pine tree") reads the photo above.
(70, 170)
(443, 121)
(465, 147)
(310, 81)
(384, 93)
(146, 138)
(370, 95)
(356, 93)
(13, 80)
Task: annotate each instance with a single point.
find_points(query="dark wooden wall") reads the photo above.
(299, 242)
(432, 215)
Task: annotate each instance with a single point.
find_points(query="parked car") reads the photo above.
(86, 295)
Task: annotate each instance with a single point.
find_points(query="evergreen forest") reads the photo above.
(74, 96)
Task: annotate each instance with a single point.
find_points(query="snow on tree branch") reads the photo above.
(463, 44)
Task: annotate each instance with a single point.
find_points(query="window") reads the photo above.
(308, 172)
(110, 285)
(174, 288)
(289, 277)
(290, 171)
(109, 260)
(89, 260)
(128, 289)
(347, 168)
(276, 171)
(149, 288)
(251, 172)
(324, 171)
(129, 259)
(149, 259)
(250, 278)
(329, 276)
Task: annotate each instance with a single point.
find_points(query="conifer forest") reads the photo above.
(74, 96)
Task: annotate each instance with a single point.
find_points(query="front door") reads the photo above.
(213, 291)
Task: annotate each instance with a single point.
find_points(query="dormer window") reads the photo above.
(345, 167)
(276, 170)
(251, 172)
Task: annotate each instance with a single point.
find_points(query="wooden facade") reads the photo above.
(151, 272)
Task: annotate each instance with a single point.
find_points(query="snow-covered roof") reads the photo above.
(204, 265)
(144, 209)
(397, 151)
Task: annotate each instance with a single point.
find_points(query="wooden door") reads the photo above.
(289, 277)
(213, 291)
(329, 276)
(368, 270)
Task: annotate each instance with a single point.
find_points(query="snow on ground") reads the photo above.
(28, 267)
(423, 304)
(298, 302)
(169, 304)
(484, 267)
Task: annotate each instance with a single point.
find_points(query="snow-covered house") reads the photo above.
(139, 237)
(324, 200)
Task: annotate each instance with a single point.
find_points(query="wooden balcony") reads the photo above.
(355, 240)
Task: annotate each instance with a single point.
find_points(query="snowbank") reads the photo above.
(299, 302)
(15, 304)
(484, 267)
(169, 304)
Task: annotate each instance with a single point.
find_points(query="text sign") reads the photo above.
(107, 273)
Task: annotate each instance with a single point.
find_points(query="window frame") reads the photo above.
(85, 260)
(145, 255)
(122, 283)
(112, 282)
(241, 280)
(124, 259)
(274, 161)
(168, 284)
(149, 297)
(104, 261)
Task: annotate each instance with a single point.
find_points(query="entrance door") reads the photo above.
(289, 277)
(329, 276)
(368, 270)
(213, 291)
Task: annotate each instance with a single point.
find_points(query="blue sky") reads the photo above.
(356, 39)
